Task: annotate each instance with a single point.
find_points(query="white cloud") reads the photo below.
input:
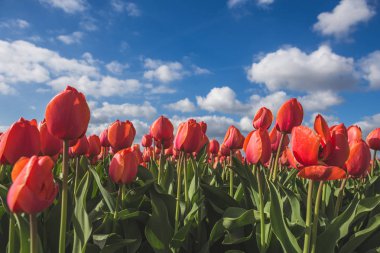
(131, 8)
(116, 67)
(68, 6)
(183, 105)
(370, 65)
(292, 69)
(272, 101)
(235, 3)
(163, 71)
(14, 24)
(265, 2)
(160, 89)
(330, 119)
(23, 62)
(320, 100)
(367, 124)
(200, 71)
(73, 38)
(110, 112)
(88, 23)
(344, 17)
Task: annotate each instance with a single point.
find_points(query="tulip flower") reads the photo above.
(146, 140)
(340, 149)
(67, 115)
(188, 136)
(275, 137)
(94, 146)
(354, 133)
(224, 151)
(214, 147)
(33, 188)
(50, 145)
(123, 166)
(263, 118)
(203, 126)
(21, 139)
(259, 147)
(121, 134)
(373, 141)
(289, 115)
(203, 142)
(81, 147)
(359, 159)
(162, 130)
(322, 172)
(147, 154)
(104, 139)
(233, 138)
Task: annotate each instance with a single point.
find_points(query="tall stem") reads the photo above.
(373, 163)
(162, 164)
(33, 233)
(76, 174)
(262, 217)
(65, 169)
(116, 207)
(306, 243)
(277, 157)
(179, 184)
(231, 176)
(316, 216)
(324, 192)
(11, 240)
(185, 179)
(340, 197)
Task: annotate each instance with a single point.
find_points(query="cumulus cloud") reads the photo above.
(14, 24)
(183, 105)
(319, 100)
(131, 8)
(23, 62)
(330, 119)
(370, 65)
(163, 71)
(238, 3)
(344, 17)
(367, 124)
(68, 6)
(292, 69)
(116, 67)
(73, 38)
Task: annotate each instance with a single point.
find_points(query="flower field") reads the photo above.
(285, 187)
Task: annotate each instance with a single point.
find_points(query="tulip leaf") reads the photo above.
(106, 195)
(180, 237)
(218, 197)
(81, 220)
(110, 243)
(23, 235)
(284, 235)
(133, 215)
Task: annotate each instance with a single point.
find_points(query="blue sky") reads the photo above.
(217, 61)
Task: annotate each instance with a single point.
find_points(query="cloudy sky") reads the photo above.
(217, 61)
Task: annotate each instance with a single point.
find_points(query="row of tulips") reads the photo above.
(271, 191)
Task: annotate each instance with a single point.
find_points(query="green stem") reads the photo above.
(162, 164)
(275, 168)
(262, 216)
(199, 211)
(116, 207)
(324, 192)
(271, 160)
(33, 233)
(65, 169)
(340, 197)
(11, 240)
(316, 216)
(184, 164)
(76, 174)
(373, 163)
(231, 176)
(179, 184)
(306, 243)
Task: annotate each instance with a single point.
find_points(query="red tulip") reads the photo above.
(275, 137)
(203, 142)
(289, 115)
(123, 166)
(147, 154)
(322, 129)
(233, 138)
(263, 118)
(146, 140)
(94, 146)
(292, 161)
(33, 188)
(104, 138)
(214, 147)
(188, 136)
(359, 159)
(224, 151)
(322, 173)
(21, 139)
(50, 145)
(354, 133)
(341, 150)
(136, 149)
(67, 115)
(81, 147)
(203, 126)
(121, 134)
(259, 147)
(305, 145)
(373, 139)
(162, 130)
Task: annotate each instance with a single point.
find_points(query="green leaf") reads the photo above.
(217, 232)
(284, 235)
(218, 197)
(106, 195)
(235, 217)
(110, 243)
(23, 229)
(144, 174)
(81, 221)
(133, 215)
(168, 177)
(180, 237)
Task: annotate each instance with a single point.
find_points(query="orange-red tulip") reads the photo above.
(373, 139)
(213, 147)
(224, 151)
(359, 159)
(67, 115)
(21, 139)
(104, 138)
(203, 142)
(147, 154)
(121, 134)
(81, 147)
(50, 145)
(162, 130)
(203, 126)
(263, 118)
(275, 137)
(33, 189)
(123, 166)
(259, 147)
(146, 140)
(289, 115)
(188, 136)
(305, 145)
(322, 173)
(94, 146)
(322, 129)
(354, 133)
(233, 138)
(341, 150)
(136, 149)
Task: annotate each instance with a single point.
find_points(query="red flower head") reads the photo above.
(162, 130)
(94, 146)
(289, 115)
(263, 118)
(146, 140)
(354, 133)
(213, 147)
(359, 159)
(233, 138)
(373, 139)
(123, 166)
(258, 149)
(50, 145)
(81, 147)
(104, 139)
(121, 134)
(188, 136)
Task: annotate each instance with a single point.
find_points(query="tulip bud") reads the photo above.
(289, 115)
(263, 118)
(341, 150)
(259, 148)
(203, 126)
(67, 115)
(162, 130)
(305, 145)
(104, 139)
(146, 140)
(81, 147)
(94, 146)
(121, 134)
(354, 133)
(33, 189)
(373, 139)
(188, 136)
(359, 159)
(233, 138)
(224, 151)
(275, 137)
(123, 166)
(21, 139)
(214, 147)
(50, 145)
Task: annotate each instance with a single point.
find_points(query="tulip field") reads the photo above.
(285, 187)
